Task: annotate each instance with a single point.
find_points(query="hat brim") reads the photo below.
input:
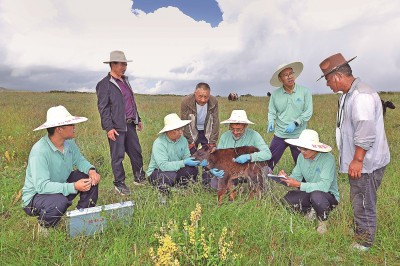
(179, 124)
(232, 121)
(315, 146)
(335, 68)
(297, 69)
(122, 61)
(72, 121)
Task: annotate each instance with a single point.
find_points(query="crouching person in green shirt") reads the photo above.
(50, 183)
(318, 194)
(170, 163)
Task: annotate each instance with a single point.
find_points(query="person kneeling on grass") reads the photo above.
(170, 163)
(315, 177)
(50, 183)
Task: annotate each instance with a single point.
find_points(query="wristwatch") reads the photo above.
(297, 124)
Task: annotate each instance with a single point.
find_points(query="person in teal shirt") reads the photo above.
(170, 162)
(315, 178)
(240, 135)
(51, 182)
(289, 110)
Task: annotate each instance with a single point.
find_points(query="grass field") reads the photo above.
(257, 232)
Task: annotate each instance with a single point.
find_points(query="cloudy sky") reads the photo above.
(233, 45)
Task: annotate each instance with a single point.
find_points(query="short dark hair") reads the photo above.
(345, 70)
(203, 85)
(51, 130)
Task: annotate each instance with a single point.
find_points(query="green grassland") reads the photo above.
(262, 231)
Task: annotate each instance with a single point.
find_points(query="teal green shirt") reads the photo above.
(250, 137)
(168, 155)
(285, 108)
(320, 174)
(48, 169)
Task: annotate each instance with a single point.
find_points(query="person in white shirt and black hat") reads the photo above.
(51, 183)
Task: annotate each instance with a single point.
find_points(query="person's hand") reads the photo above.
(111, 134)
(217, 173)
(139, 126)
(243, 158)
(290, 128)
(283, 173)
(212, 147)
(355, 168)
(94, 176)
(204, 163)
(270, 127)
(191, 162)
(291, 182)
(83, 184)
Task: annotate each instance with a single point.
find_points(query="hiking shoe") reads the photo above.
(311, 215)
(359, 247)
(122, 189)
(138, 182)
(322, 227)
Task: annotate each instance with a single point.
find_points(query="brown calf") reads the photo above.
(223, 160)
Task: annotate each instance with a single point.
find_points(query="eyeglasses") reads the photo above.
(291, 74)
(301, 149)
(177, 130)
(236, 130)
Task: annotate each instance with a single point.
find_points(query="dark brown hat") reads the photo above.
(333, 63)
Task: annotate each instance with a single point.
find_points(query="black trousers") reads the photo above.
(322, 202)
(164, 180)
(50, 207)
(206, 176)
(127, 142)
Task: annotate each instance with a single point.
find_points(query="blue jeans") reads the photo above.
(363, 200)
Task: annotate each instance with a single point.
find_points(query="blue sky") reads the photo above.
(207, 10)
(61, 45)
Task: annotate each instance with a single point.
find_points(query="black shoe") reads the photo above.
(122, 189)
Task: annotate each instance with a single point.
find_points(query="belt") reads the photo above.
(130, 120)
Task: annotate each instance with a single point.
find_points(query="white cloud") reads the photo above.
(171, 52)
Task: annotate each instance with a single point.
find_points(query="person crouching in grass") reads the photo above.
(315, 178)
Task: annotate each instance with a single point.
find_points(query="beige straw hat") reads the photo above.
(117, 56)
(173, 121)
(296, 66)
(237, 117)
(59, 116)
(309, 139)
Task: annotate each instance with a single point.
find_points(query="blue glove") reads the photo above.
(290, 128)
(242, 158)
(204, 163)
(191, 162)
(270, 127)
(217, 173)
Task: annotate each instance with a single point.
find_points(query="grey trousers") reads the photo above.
(127, 142)
(166, 179)
(363, 200)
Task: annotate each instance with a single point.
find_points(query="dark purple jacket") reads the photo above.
(111, 105)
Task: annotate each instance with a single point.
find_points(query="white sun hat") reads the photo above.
(59, 116)
(296, 66)
(309, 139)
(237, 117)
(173, 121)
(117, 56)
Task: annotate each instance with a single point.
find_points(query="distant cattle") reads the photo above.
(268, 94)
(222, 159)
(387, 104)
(233, 96)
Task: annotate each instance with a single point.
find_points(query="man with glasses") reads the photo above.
(361, 139)
(120, 119)
(51, 182)
(314, 176)
(240, 135)
(289, 110)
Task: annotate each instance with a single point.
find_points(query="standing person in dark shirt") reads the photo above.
(120, 119)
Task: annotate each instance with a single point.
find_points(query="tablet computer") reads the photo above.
(277, 178)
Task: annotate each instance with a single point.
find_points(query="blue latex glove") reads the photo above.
(290, 128)
(204, 163)
(217, 173)
(243, 158)
(270, 127)
(191, 162)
